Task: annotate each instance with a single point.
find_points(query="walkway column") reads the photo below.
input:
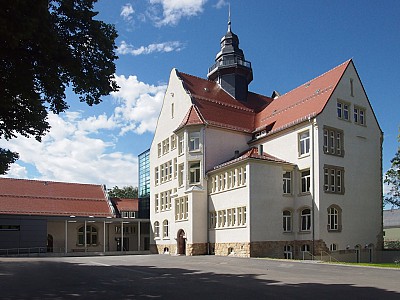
(66, 237)
(122, 236)
(85, 237)
(138, 230)
(104, 236)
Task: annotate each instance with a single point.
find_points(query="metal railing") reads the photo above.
(229, 62)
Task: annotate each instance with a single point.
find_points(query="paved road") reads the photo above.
(190, 278)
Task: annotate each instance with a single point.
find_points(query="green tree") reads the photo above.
(392, 178)
(125, 192)
(46, 46)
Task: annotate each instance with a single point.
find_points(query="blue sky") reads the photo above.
(288, 43)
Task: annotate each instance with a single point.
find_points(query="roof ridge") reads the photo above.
(317, 93)
(50, 181)
(323, 74)
(224, 103)
(50, 197)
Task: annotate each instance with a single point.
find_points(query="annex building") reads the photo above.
(65, 218)
(233, 172)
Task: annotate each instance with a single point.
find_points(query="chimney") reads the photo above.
(260, 149)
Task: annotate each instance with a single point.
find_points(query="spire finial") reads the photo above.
(229, 17)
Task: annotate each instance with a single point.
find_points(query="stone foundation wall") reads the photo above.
(233, 249)
(275, 248)
(162, 249)
(196, 249)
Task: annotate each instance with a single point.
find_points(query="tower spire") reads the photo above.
(229, 17)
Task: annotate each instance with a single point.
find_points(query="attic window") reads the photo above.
(206, 89)
(307, 85)
(351, 87)
(317, 91)
(260, 134)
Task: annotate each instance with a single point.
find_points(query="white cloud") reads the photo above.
(125, 48)
(221, 3)
(85, 149)
(139, 105)
(127, 11)
(174, 10)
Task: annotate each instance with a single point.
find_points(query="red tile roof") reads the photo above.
(217, 108)
(34, 197)
(250, 153)
(124, 204)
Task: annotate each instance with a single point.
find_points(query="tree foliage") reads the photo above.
(125, 192)
(46, 46)
(392, 178)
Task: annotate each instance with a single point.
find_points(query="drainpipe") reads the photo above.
(313, 186)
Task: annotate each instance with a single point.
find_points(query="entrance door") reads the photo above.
(126, 244)
(181, 240)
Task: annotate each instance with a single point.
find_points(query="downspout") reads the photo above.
(208, 204)
(313, 186)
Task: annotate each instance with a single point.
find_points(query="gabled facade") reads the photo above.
(238, 173)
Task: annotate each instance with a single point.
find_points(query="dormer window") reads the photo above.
(128, 214)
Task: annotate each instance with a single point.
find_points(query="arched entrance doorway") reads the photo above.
(49, 243)
(181, 241)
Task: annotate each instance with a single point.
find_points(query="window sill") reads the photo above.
(304, 231)
(305, 194)
(304, 155)
(288, 232)
(287, 195)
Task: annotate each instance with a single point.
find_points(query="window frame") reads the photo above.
(195, 171)
(304, 143)
(305, 220)
(194, 141)
(305, 181)
(156, 229)
(333, 179)
(343, 109)
(165, 229)
(334, 214)
(333, 141)
(92, 236)
(287, 183)
(361, 112)
(287, 220)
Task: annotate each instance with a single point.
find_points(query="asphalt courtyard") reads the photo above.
(190, 278)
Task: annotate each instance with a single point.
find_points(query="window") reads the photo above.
(91, 235)
(351, 87)
(181, 208)
(165, 229)
(305, 248)
(156, 229)
(333, 247)
(159, 149)
(181, 144)
(194, 172)
(305, 181)
(287, 182)
(172, 110)
(241, 215)
(165, 146)
(304, 143)
(343, 111)
(156, 175)
(287, 221)
(173, 142)
(359, 115)
(212, 219)
(180, 174)
(157, 204)
(194, 141)
(175, 167)
(305, 220)
(128, 214)
(334, 218)
(333, 179)
(287, 252)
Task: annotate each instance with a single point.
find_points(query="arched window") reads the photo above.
(305, 219)
(287, 252)
(165, 229)
(91, 235)
(334, 218)
(287, 221)
(156, 229)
